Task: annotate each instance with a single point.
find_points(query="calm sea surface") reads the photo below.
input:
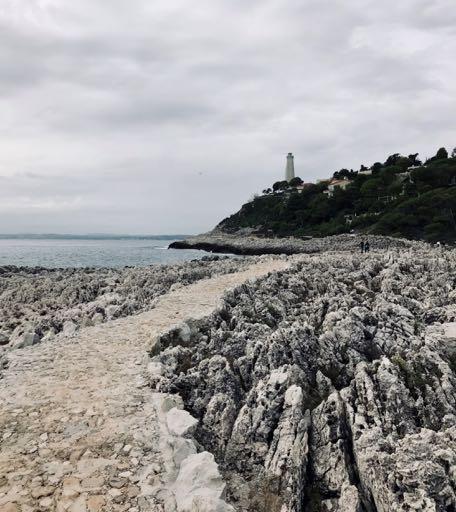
(91, 252)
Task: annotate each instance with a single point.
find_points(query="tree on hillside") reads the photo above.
(372, 188)
(414, 160)
(280, 185)
(404, 163)
(392, 160)
(453, 153)
(344, 173)
(295, 182)
(441, 154)
(377, 167)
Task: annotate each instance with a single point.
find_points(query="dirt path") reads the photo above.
(79, 427)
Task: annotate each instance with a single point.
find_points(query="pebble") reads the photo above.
(36, 481)
(92, 482)
(46, 503)
(117, 482)
(39, 492)
(95, 503)
(71, 487)
(79, 505)
(133, 491)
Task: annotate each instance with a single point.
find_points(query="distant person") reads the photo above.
(362, 246)
(366, 247)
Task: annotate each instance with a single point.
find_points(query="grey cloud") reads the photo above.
(163, 117)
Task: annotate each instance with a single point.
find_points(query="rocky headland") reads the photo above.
(247, 244)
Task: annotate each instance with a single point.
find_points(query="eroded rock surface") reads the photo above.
(330, 386)
(38, 303)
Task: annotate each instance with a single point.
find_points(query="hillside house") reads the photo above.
(335, 183)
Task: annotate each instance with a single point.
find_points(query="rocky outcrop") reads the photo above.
(328, 387)
(219, 242)
(38, 303)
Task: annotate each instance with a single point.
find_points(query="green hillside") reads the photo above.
(401, 197)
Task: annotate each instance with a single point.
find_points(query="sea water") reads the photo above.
(78, 251)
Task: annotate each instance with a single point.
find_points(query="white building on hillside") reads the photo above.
(342, 184)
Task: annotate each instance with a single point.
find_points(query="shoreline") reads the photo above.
(247, 245)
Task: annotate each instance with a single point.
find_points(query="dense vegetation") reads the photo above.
(401, 197)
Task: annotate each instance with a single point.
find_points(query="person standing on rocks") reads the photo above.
(366, 246)
(362, 246)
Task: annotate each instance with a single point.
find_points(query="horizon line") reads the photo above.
(92, 235)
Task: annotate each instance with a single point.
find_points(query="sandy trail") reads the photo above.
(79, 430)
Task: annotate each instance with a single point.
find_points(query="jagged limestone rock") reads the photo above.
(330, 386)
(49, 301)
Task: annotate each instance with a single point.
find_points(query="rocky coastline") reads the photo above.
(218, 242)
(326, 385)
(39, 303)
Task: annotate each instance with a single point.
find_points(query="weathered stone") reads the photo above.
(180, 422)
(69, 328)
(324, 388)
(28, 339)
(39, 492)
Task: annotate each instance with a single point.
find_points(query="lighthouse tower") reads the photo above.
(289, 171)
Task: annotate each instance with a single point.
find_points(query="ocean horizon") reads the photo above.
(91, 250)
(88, 236)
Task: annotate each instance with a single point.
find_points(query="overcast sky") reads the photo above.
(164, 116)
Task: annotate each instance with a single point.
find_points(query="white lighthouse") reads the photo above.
(289, 171)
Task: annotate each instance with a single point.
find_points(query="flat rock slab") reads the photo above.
(79, 427)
